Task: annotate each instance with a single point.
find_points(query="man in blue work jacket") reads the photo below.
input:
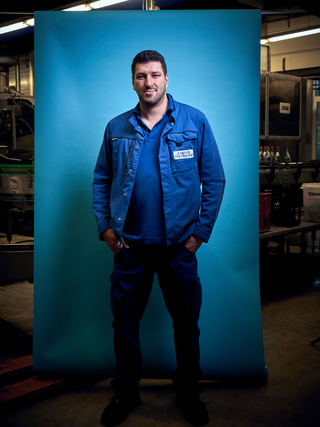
(157, 189)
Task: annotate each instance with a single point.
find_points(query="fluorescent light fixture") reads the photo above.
(29, 22)
(104, 3)
(17, 26)
(294, 35)
(13, 27)
(290, 36)
(93, 5)
(80, 8)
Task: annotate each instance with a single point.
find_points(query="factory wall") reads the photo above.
(21, 76)
(303, 52)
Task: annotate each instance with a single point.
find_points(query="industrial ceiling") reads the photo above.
(21, 41)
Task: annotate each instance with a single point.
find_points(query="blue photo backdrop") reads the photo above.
(82, 76)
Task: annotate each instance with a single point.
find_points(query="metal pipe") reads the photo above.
(284, 12)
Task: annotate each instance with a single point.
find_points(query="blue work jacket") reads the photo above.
(191, 173)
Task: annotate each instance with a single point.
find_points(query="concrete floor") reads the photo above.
(16, 305)
(290, 399)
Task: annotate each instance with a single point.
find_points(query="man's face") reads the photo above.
(150, 83)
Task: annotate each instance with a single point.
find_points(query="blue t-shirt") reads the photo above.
(145, 219)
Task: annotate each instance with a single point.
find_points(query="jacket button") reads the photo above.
(124, 194)
(130, 170)
(172, 123)
(136, 147)
(119, 219)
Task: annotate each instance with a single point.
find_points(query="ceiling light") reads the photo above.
(290, 36)
(13, 27)
(104, 3)
(93, 5)
(80, 8)
(29, 22)
(294, 35)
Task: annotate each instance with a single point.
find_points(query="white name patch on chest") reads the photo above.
(183, 154)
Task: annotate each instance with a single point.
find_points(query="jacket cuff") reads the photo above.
(103, 226)
(201, 234)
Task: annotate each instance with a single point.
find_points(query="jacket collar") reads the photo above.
(135, 114)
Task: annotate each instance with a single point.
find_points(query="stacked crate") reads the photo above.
(264, 211)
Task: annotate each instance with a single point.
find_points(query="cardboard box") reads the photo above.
(311, 201)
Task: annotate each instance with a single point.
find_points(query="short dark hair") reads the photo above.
(148, 56)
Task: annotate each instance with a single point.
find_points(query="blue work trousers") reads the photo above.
(131, 283)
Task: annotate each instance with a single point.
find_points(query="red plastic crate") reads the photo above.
(264, 211)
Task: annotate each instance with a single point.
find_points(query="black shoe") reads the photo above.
(193, 409)
(118, 410)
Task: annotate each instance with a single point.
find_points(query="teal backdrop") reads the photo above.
(82, 76)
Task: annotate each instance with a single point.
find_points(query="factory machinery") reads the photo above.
(16, 183)
(284, 181)
(285, 136)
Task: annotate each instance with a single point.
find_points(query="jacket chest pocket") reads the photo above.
(122, 152)
(182, 148)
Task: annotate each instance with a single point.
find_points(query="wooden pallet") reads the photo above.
(17, 364)
(19, 382)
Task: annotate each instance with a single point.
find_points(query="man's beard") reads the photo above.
(153, 101)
